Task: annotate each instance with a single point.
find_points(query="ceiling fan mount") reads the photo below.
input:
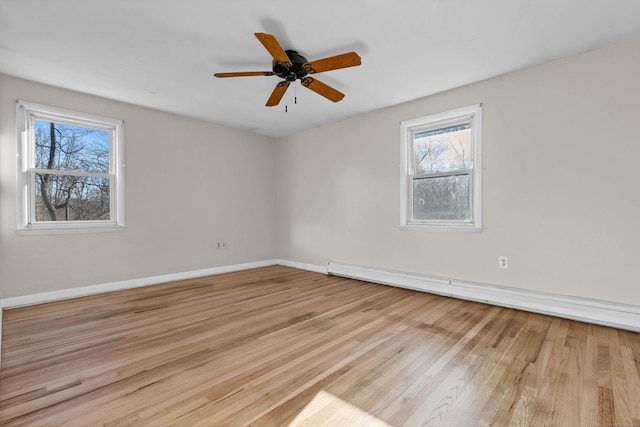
(290, 66)
(293, 72)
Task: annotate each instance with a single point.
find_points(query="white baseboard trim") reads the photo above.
(302, 266)
(605, 313)
(598, 312)
(83, 291)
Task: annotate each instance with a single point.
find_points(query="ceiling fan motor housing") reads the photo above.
(293, 72)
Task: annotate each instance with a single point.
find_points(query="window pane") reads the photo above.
(67, 147)
(442, 150)
(441, 198)
(71, 198)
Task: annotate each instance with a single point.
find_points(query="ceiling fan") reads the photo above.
(290, 66)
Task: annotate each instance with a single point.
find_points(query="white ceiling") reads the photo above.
(162, 53)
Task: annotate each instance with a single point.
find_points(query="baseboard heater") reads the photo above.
(616, 315)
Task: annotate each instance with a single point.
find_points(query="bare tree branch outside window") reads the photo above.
(442, 160)
(67, 160)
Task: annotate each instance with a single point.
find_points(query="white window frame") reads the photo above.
(26, 114)
(471, 114)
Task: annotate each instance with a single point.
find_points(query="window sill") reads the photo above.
(41, 231)
(442, 228)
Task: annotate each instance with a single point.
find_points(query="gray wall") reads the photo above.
(561, 195)
(561, 192)
(189, 184)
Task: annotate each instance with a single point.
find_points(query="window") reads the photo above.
(70, 171)
(441, 171)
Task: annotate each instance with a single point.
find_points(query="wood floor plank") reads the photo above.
(277, 346)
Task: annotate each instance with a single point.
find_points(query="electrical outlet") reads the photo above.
(221, 245)
(503, 261)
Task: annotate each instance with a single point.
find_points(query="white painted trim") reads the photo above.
(63, 228)
(443, 228)
(303, 266)
(472, 114)
(26, 113)
(44, 297)
(83, 291)
(616, 315)
(586, 310)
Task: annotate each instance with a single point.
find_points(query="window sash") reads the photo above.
(411, 207)
(64, 120)
(27, 114)
(471, 115)
(412, 176)
(33, 182)
(69, 172)
(439, 174)
(413, 166)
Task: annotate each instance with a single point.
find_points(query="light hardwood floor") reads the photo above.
(284, 347)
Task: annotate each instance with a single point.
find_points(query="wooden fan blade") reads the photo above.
(277, 94)
(345, 60)
(245, 74)
(322, 89)
(274, 48)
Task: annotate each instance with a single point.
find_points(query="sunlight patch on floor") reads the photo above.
(328, 410)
